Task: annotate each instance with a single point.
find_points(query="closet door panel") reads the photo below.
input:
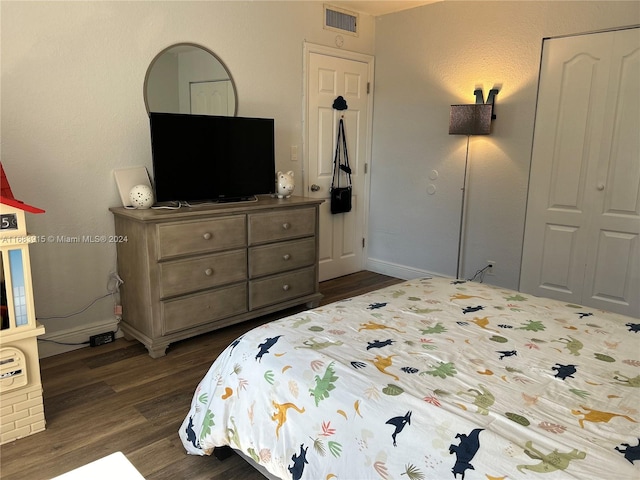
(569, 117)
(582, 228)
(612, 279)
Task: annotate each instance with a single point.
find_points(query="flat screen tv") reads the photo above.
(204, 158)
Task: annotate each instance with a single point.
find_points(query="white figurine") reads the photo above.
(285, 184)
(141, 196)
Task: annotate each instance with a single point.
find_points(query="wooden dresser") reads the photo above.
(194, 270)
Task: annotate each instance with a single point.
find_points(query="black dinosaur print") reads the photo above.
(465, 451)
(298, 463)
(564, 371)
(631, 452)
(472, 309)
(375, 306)
(399, 423)
(266, 345)
(379, 344)
(507, 353)
(191, 434)
(633, 327)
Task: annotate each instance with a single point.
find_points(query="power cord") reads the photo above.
(480, 273)
(113, 287)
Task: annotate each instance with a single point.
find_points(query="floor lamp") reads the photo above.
(474, 119)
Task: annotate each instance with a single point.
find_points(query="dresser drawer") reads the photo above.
(280, 257)
(278, 288)
(184, 276)
(187, 312)
(201, 236)
(280, 225)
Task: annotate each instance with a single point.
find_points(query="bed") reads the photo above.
(432, 378)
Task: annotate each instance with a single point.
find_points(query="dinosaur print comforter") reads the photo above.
(429, 379)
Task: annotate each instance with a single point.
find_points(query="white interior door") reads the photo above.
(583, 216)
(331, 73)
(210, 98)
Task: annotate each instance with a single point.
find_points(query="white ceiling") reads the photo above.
(379, 7)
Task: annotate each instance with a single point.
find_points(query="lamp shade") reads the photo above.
(473, 119)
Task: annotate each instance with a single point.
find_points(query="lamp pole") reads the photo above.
(462, 205)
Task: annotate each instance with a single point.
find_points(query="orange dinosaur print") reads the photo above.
(384, 362)
(280, 415)
(597, 416)
(462, 296)
(483, 322)
(376, 326)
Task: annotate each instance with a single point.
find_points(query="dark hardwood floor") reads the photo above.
(116, 398)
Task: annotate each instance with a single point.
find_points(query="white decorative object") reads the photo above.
(141, 196)
(127, 178)
(286, 184)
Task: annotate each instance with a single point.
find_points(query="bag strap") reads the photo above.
(337, 165)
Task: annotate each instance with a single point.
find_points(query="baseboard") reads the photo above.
(64, 341)
(399, 271)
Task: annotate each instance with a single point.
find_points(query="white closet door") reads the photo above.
(583, 216)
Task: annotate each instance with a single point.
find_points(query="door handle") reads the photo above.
(315, 188)
(600, 186)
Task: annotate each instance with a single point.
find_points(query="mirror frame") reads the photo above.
(194, 45)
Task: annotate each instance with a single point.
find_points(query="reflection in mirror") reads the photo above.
(188, 78)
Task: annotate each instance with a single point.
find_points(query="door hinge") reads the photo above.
(368, 88)
(366, 168)
(362, 242)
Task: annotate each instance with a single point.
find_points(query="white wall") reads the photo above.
(73, 111)
(434, 56)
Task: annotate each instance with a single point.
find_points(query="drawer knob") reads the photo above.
(286, 256)
(285, 287)
(286, 225)
(207, 236)
(208, 272)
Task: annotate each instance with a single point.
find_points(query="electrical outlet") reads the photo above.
(492, 268)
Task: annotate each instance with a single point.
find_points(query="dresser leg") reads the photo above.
(157, 351)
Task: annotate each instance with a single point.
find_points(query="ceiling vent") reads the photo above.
(340, 20)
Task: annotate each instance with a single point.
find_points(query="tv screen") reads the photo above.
(201, 158)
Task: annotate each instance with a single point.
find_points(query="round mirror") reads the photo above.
(188, 78)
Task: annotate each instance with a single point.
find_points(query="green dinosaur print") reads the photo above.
(254, 456)
(398, 293)
(299, 322)
(437, 328)
(443, 370)
(574, 346)
(207, 423)
(549, 462)
(533, 326)
(627, 381)
(233, 433)
(516, 298)
(315, 345)
(482, 398)
(324, 385)
(424, 311)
